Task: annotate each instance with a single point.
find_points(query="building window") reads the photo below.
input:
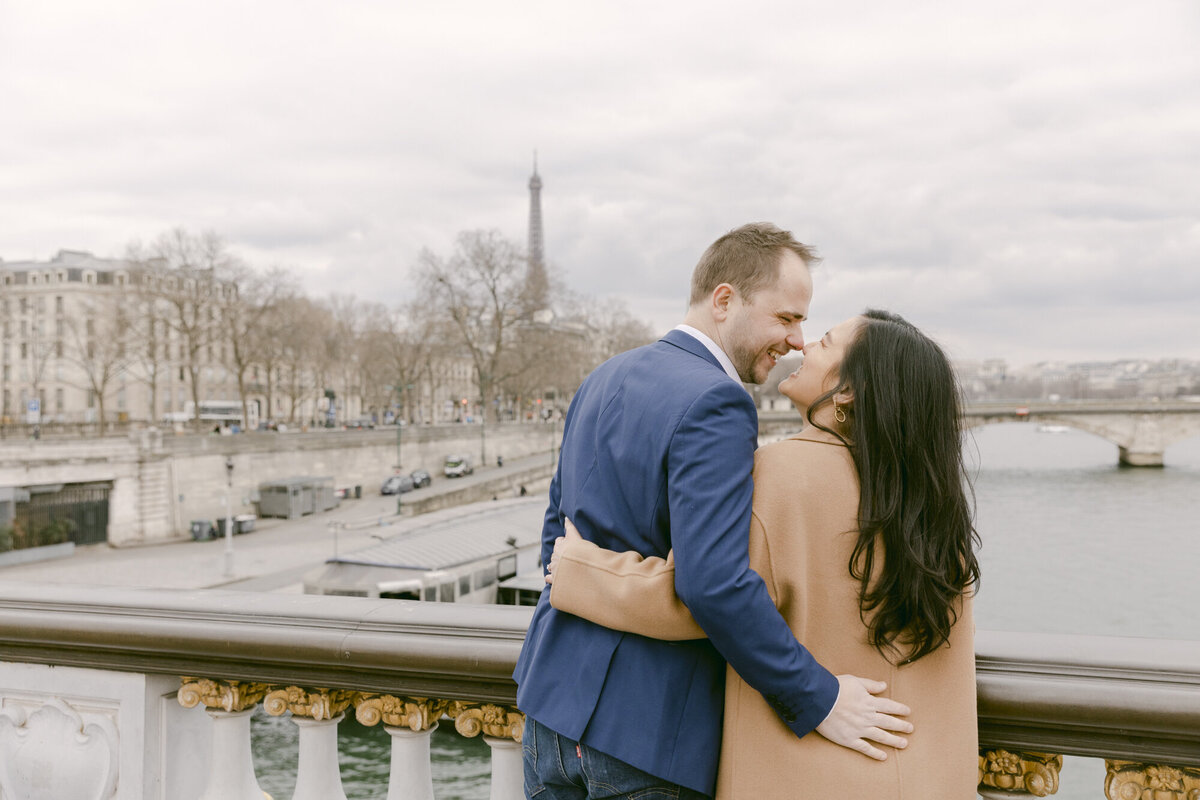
(58, 304)
(58, 400)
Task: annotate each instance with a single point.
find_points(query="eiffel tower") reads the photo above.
(537, 284)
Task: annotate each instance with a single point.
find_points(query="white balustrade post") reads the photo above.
(508, 777)
(411, 777)
(318, 777)
(231, 774)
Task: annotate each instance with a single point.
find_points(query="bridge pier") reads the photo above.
(1140, 458)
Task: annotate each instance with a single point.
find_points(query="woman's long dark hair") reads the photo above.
(904, 430)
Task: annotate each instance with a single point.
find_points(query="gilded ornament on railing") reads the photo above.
(501, 722)
(414, 713)
(317, 704)
(1131, 780)
(1026, 773)
(225, 695)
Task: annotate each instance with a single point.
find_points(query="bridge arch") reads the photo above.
(1142, 431)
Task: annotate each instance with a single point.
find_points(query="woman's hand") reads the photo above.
(570, 533)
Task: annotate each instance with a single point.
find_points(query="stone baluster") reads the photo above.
(410, 721)
(1132, 780)
(230, 704)
(1008, 774)
(317, 713)
(502, 727)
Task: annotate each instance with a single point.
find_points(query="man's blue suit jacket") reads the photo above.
(658, 448)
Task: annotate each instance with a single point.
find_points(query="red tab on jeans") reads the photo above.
(578, 754)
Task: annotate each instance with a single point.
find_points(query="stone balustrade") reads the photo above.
(140, 694)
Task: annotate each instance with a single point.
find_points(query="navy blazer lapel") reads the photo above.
(685, 341)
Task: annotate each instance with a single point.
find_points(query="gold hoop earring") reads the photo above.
(838, 414)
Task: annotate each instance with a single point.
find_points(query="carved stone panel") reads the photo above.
(1034, 774)
(1131, 780)
(56, 752)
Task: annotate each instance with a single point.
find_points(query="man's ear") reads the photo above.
(720, 301)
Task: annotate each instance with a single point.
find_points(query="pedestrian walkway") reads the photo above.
(274, 557)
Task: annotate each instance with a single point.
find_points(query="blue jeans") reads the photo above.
(558, 768)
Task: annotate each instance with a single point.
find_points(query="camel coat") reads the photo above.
(802, 534)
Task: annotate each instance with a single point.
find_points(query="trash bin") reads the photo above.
(243, 523)
(201, 529)
(358, 492)
(221, 527)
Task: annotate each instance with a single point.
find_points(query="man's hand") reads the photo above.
(571, 533)
(858, 715)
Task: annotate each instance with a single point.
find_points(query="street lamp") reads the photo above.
(400, 389)
(228, 518)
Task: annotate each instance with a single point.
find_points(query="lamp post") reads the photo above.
(228, 518)
(400, 389)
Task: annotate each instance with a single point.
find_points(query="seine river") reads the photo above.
(1072, 543)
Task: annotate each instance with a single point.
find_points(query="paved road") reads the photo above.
(274, 557)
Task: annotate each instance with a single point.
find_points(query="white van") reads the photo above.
(457, 465)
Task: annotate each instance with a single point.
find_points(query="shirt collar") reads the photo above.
(712, 347)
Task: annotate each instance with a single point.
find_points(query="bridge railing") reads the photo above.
(101, 692)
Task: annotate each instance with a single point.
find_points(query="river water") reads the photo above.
(1072, 543)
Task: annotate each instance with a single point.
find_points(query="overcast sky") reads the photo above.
(1021, 179)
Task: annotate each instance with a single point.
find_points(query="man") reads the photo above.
(657, 451)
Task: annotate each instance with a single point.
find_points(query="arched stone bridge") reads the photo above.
(1141, 429)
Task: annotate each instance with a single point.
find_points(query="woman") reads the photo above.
(862, 533)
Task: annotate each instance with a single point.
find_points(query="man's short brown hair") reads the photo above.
(747, 258)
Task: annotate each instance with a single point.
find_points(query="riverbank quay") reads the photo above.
(144, 693)
(275, 555)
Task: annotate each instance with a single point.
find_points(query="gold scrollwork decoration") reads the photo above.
(414, 713)
(219, 694)
(501, 722)
(1035, 774)
(1132, 780)
(317, 704)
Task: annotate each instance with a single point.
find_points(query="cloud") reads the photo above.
(1017, 177)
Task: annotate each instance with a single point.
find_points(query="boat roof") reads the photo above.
(484, 529)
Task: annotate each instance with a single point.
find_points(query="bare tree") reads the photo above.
(100, 346)
(187, 272)
(299, 326)
(411, 343)
(149, 328)
(245, 301)
(37, 348)
(481, 288)
(612, 329)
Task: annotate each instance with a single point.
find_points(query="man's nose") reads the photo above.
(795, 339)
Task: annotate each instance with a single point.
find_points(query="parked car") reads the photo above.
(420, 478)
(457, 465)
(361, 422)
(397, 484)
